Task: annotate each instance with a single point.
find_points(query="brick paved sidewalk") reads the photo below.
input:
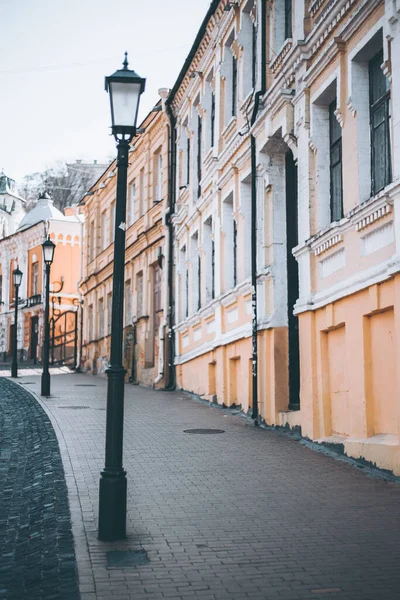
(249, 513)
(37, 559)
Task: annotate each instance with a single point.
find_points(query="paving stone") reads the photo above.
(35, 549)
(247, 514)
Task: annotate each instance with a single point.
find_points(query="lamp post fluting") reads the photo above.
(17, 278)
(125, 88)
(48, 255)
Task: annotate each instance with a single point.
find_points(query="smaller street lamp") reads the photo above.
(17, 278)
(48, 256)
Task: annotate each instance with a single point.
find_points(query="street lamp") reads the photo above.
(48, 256)
(125, 88)
(17, 278)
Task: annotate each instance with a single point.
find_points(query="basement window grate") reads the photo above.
(204, 431)
(74, 407)
(126, 558)
(85, 385)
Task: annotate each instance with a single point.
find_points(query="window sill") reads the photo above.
(229, 128)
(209, 157)
(277, 63)
(142, 318)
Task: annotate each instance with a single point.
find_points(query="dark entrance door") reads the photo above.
(293, 281)
(34, 338)
(64, 339)
(11, 340)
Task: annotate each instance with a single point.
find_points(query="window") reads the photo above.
(157, 289)
(228, 226)
(132, 203)
(101, 318)
(229, 70)
(157, 196)
(247, 38)
(212, 269)
(142, 194)
(35, 279)
(112, 223)
(209, 257)
(245, 210)
(109, 312)
(335, 153)
(288, 19)
(254, 56)
(212, 128)
(128, 303)
(187, 293)
(183, 284)
(234, 85)
(92, 247)
(104, 236)
(234, 253)
(90, 323)
(195, 278)
(198, 282)
(199, 134)
(326, 136)
(188, 161)
(139, 294)
(379, 97)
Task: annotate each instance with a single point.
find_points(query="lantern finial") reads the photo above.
(125, 63)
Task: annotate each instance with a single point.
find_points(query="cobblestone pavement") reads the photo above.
(249, 513)
(37, 559)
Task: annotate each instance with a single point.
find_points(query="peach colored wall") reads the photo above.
(348, 368)
(226, 372)
(66, 264)
(382, 372)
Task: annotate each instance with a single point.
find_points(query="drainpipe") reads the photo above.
(258, 95)
(170, 367)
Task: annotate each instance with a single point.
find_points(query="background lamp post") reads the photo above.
(124, 88)
(48, 255)
(17, 278)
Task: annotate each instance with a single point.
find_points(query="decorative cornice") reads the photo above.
(372, 217)
(277, 63)
(315, 6)
(312, 146)
(351, 108)
(326, 245)
(339, 117)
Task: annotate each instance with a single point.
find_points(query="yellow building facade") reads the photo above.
(325, 173)
(145, 266)
(276, 157)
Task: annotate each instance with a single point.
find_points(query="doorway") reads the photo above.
(292, 281)
(11, 340)
(34, 338)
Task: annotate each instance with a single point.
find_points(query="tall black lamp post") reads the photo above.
(48, 255)
(17, 278)
(125, 88)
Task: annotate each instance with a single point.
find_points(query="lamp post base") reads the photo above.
(112, 506)
(14, 370)
(45, 387)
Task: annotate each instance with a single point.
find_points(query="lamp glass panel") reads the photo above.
(48, 252)
(17, 274)
(125, 101)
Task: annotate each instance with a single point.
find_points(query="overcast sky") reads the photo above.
(54, 55)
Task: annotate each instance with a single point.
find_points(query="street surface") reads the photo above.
(248, 513)
(36, 544)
